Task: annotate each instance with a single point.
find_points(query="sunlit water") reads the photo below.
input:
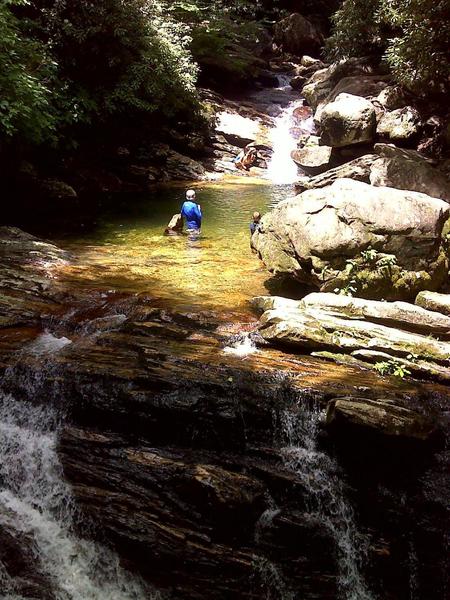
(126, 250)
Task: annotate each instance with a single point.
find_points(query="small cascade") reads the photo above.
(269, 573)
(38, 502)
(242, 347)
(293, 120)
(325, 496)
(281, 168)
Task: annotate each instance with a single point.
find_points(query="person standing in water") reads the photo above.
(254, 225)
(191, 212)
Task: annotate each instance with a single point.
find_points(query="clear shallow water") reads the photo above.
(127, 250)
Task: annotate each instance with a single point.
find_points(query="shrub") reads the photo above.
(413, 36)
(26, 73)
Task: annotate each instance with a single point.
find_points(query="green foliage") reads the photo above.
(412, 35)
(370, 260)
(65, 63)
(26, 73)
(370, 255)
(349, 289)
(392, 367)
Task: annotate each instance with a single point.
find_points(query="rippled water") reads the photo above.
(126, 250)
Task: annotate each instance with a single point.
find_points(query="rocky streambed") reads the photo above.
(208, 474)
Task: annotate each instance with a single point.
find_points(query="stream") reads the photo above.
(121, 262)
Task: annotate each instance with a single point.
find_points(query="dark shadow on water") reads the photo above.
(282, 285)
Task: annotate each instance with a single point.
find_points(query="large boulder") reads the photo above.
(297, 35)
(322, 82)
(408, 170)
(365, 86)
(347, 120)
(400, 125)
(322, 237)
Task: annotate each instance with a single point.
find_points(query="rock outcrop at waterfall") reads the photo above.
(369, 331)
(384, 243)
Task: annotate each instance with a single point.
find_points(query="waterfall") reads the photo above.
(281, 168)
(36, 499)
(325, 495)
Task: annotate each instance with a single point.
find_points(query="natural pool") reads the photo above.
(126, 249)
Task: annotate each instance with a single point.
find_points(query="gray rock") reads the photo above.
(312, 236)
(180, 167)
(433, 301)
(347, 120)
(297, 35)
(401, 124)
(358, 169)
(55, 189)
(408, 170)
(364, 86)
(308, 61)
(313, 159)
(392, 97)
(322, 82)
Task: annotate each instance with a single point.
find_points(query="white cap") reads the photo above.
(190, 194)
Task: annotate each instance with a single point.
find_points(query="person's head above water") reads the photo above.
(256, 217)
(190, 195)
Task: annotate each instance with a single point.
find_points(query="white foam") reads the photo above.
(47, 343)
(243, 348)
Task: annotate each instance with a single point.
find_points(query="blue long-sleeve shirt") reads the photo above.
(193, 214)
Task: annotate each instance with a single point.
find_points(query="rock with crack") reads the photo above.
(321, 238)
(408, 170)
(358, 169)
(323, 81)
(368, 330)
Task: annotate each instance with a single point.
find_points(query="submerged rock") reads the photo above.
(314, 237)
